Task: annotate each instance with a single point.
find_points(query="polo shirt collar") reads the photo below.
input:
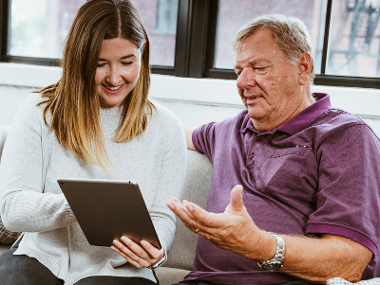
(302, 120)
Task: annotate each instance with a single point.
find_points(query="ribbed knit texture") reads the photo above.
(31, 200)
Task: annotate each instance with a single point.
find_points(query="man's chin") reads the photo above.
(255, 113)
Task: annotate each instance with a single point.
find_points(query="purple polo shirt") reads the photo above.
(318, 173)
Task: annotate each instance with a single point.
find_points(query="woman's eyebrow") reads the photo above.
(124, 57)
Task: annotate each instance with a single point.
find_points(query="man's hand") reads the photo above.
(313, 259)
(233, 230)
(139, 255)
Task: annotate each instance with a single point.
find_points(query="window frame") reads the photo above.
(195, 47)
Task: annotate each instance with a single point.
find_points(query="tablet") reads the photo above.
(109, 209)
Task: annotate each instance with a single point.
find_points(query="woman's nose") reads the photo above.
(113, 76)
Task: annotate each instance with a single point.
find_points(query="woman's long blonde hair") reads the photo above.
(73, 102)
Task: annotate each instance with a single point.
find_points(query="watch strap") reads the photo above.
(277, 261)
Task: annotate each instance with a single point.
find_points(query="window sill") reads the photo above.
(364, 102)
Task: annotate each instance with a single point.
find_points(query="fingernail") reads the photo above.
(190, 208)
(144, 243)
(170, 205)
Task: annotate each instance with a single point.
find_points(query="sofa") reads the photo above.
(180, 259)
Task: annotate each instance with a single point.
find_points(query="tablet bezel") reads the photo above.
(109, 209)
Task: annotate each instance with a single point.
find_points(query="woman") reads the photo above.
(95, 122)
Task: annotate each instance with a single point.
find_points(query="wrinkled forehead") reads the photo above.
(260, 44)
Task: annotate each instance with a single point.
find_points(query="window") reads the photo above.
(160, 21)
(233, 15)
(166, 17)
(38, 28)
(192, 38)
(355, 39)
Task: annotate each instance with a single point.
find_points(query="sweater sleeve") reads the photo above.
(171, 182)
(24, 205)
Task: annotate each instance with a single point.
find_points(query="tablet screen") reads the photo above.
(109, 209)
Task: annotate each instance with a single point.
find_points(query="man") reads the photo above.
(304, 204)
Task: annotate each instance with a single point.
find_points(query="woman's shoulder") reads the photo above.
(162, 114)
(31, 104)
(163, 123)
(29, 115)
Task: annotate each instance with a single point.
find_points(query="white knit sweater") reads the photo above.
(31, 200)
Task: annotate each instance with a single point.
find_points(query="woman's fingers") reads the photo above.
(138, 255)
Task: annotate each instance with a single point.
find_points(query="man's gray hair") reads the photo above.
(290, 34)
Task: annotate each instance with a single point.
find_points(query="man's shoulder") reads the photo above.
(340, 123)
(338, 118)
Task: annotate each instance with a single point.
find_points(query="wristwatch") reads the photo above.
(276, 262)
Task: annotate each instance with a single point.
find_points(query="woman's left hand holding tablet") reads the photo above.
(139, 255)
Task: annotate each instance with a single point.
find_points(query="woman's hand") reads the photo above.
(139, 255)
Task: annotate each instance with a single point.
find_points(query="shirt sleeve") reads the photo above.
(204, 139)
(348, 196)
(24, 205)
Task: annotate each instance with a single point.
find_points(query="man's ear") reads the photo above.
(305, 65)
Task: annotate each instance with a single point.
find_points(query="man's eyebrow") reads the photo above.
(254, 62)
(259, 60)
(124, 57)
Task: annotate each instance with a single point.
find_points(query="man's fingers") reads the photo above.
(182, 212)
(203, 218)
(237, 199)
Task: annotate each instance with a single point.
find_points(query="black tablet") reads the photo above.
(109, 209)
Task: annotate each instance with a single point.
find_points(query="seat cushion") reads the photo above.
(169, 276)
(197, 183)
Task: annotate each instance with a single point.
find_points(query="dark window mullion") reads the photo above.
(201, 36)
(211, 38)
(4, 14)
(345, 81)
(182, 49)
(196, 37)
(326, 36)
(31, 60)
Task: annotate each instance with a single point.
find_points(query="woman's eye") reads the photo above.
(101, 64)
(127, 63)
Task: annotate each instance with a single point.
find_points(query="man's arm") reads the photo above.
(314, 259)
(189, 138)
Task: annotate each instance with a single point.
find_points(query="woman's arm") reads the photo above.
(171, 168)
(24, 203)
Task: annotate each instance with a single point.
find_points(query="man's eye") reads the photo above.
(260, 68)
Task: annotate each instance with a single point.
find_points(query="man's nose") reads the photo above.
(246, 78)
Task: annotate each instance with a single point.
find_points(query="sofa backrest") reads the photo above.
(3, 135)
(197, 183)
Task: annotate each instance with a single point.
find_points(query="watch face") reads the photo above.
(272, 266)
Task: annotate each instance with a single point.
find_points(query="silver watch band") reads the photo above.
(277, 261)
